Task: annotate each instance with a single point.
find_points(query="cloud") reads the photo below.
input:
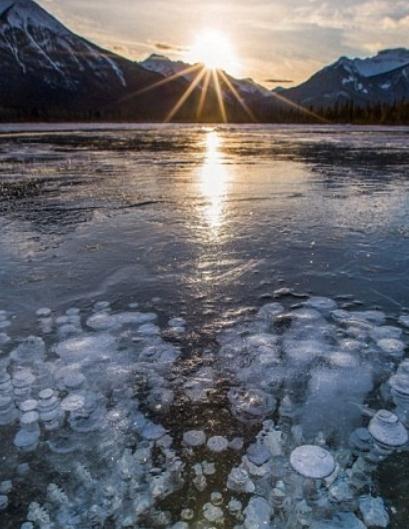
(164, 46)
(282, 81)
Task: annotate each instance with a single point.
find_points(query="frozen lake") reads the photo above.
(235, 231)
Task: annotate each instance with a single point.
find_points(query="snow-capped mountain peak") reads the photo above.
(31, 40)
(385, 61)
(23, 14)
(383, 78)
(165, 66)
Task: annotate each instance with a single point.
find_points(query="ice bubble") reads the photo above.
(361, 440)
(187, 514)
(264, 347)
(68, 331)
(194, 438)
(340, 491)
(200, 483)
(28, 405)
(4, 338)
(312, 462)
(29, 420)
(149, 329)
(31, 349)
(6, 487)
(391, 346)
(239, 481)
(306, 316)
(159, 354)
(333, 400)
(235, 506)
(49, 408)
(216, 498)
(177, 322)
(258, 514)
(258, 454)
(43, 312)
(152, 431)
(73, 402)
(387, 430)
(209, 469)
(22, 382)
(39, 515)
(343, 360)
(251, 404)
(400, 384)
(341, 316)
(8, 411)
(102, 321)
(102, 305)
(26, 440)
(404, 320)
(217, 444)
(305, 351)
(270, 311)
(321, 303)
(73, 380)
(62, 445)
(62, 320)
(373, 512)
(385, 331)
(87, 348)
(212, 513)
(236, 444)
(105, 321)
(376, 317)
(273, 440)
(404, 368)
(73, 311)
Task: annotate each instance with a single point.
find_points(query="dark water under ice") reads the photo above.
(205, 223)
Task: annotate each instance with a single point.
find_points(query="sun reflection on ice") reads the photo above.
(213, 182)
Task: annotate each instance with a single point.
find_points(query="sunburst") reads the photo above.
(214, 55)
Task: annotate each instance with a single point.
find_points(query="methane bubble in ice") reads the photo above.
(312, 462)
(288, 412)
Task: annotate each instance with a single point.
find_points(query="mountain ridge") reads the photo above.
(49, 72)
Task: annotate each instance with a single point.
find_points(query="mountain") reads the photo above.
(165, 66)
(161, 64)
(380, 79)
(47, 70)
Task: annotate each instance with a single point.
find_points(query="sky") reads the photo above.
(275, 40)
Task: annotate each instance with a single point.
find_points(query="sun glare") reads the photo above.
(214, 50)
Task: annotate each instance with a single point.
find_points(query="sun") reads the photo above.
(214, 50)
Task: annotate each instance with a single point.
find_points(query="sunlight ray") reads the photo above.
(204, 93)
(219, 95)
(241, 101)
(162, 82)
(185, 96)
(298, 107)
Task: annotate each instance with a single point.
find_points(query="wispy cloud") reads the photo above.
(274, 81)
(165, 46)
